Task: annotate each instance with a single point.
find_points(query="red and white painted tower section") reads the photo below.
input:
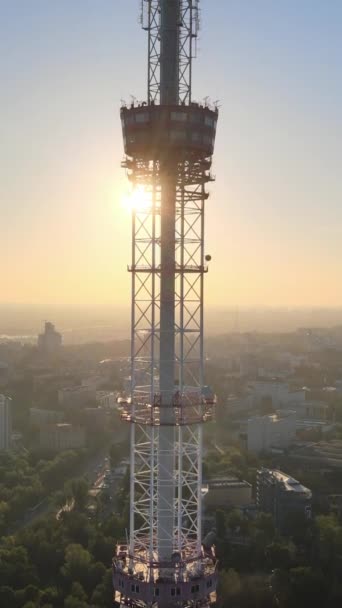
(169, 142)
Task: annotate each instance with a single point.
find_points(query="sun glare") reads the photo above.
(138, 199)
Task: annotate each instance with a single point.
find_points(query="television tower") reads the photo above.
(168, 142)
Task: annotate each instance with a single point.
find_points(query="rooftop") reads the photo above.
(75, 389)
(280, 415)
(215, 484)
(289, 483)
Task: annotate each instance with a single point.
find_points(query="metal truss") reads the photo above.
(167, 405)
(187, 525)
(143, 407)
(188, 32)
(151, 23)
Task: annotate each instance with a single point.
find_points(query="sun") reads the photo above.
(137, 199)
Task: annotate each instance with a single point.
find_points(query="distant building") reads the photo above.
(40, 418)
(248, 365)
(106, 399)
(95, 381)
(313, 410)
(95, 418)
(239, 405)
(281, 496)
(77, 396)
(320, 456)
(316, 338)
(279, 392)
(4, 373)
(226, 492)
(50, 341)
(272, 431)
(58, 437)
(5, 422)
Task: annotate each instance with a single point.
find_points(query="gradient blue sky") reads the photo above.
(274, 220)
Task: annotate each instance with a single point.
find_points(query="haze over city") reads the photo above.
(170, 438)
(274, 219)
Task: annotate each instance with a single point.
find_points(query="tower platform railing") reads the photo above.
(186, 410)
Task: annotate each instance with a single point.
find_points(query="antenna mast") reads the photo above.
(169, 143)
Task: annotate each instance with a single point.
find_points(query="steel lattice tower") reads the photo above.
(169, 142)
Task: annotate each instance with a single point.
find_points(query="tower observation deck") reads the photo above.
(168, 142)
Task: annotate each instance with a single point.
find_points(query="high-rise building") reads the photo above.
(271, 431)
(107, 399)
(282, 496)
(95, 419)
(5, 422)
(50, 341)
(62, 436)
(40, 418)
(4, 373)
(226, 492)
(280, 393)
(77, 396)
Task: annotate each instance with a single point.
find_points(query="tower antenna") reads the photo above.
(169, 143)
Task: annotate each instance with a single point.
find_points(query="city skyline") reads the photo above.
(273, 220)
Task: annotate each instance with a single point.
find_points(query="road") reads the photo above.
(93, 470)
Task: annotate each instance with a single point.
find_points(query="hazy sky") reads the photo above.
(274, 220)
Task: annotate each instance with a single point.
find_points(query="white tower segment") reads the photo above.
(169, 143)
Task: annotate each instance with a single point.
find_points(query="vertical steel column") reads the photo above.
(169, 86)
(132, 429)
(181, 367)
(201, 371)
(169, 51)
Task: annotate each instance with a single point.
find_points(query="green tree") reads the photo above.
(113, 526)
(79, 490)
(77, 563)
(307, 587)
(280, 555)
(330, 539)
(4, 515)
(280, 584)
(32, 594)
(102, 548)
(115, 454)
(77, 528)
(16, 570)
(235, 520)
(95, 575)
(220, 518)
(78, 591)
(265, 529)
(50, 595)
(48, 559)
(103, 594)
(7, 597)
(229, 587)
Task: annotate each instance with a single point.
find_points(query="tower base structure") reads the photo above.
(191, 582)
